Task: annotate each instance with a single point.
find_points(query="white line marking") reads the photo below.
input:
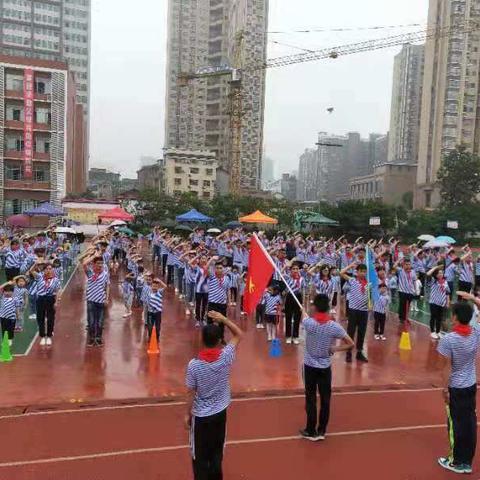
(118, 453)
(235, 400)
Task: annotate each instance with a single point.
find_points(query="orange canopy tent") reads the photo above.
(258, 217)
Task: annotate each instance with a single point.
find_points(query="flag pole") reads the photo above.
(274, 265)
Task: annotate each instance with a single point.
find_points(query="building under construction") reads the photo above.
(208, 38)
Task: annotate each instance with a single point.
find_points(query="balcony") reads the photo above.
(18, 155)
(25, 184)
(18, 125)
(18, 94)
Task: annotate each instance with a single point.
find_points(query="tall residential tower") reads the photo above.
(209, 35)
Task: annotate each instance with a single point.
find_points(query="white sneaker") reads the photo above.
(49, 341)
(269, 338)
(377, 337)
(43, 341)
(333, 311)
(234, 304)
(242, 313)
(296, 341)
(187, 312)
(259, 326)
(10, 343)
(262, 326)
(33, 316)
(383, 337)
(434, 335)
(288, 340)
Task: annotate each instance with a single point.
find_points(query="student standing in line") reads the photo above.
(208, 381)
(459, 350)
(293, 312)
(155, 307)
(380, 310)
(357, 308)
(407, 280)
(439, 300)
(9, 309)
(321, 335)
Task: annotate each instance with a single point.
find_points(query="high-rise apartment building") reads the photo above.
(56, 30)
(406, 104)
(449, 115)
(217, 36)
(42, 140)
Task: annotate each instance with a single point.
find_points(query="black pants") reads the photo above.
(170, 270)
(260, 314)
(335, 299)
(234, 294)
(7, 325)
(317, 379)
(437, 314)
(207, 440)
(293, 315)
(164, 264)
(221, 308)
(477, 281)
(95, 319)
(464, 286)
(154, 319)
(11, 273)
(379, 323)
(46, 314)
(357, 323)
(404, 301)
(463, 424)
(201, 300)
(421, 277)
(451, 287)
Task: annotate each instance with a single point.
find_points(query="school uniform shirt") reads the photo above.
(272, 303)
(218, 288)
(330, 258)
(240, 256)
(406, 281)
(322, 286)
(8, 307)
(358, 295)
(47, 287)
(450, 272)
(190, 273)
(418, 265)
(280, 264)
(145, 293)
(462, 351)
(393, 283)
(127, 289)
(477, 268)
(201, 280)
(381, 304)
(211, 382)
(155, 301)
(466, 272)
(346, 260)
(97, 286)
(19, 294)
(439, 292)
(319, 337)
(13, 258)
(234, 276)
(296, 284)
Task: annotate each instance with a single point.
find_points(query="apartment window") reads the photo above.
(193, 182)
(14, 144)
(206, 183)
(209, 171)
(177, 192)
(43, 115)
(177, 181)
(178, 170)
(15, 82)
(14, 112)
(42, 145)
(13, 172)
(428, 199)
(194, 170)
(206, 194)
(41, 174)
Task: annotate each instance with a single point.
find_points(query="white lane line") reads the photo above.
(119, 453)
(235, 400)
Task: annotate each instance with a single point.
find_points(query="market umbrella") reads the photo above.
(65, 230)
(258, 217)
(21, 221)
(116, 213)
(193, 216)
(234, 224)
(126, 230)
(45, 209)
(426, 238)
(446, 238)
(436, 243)
(319, 219)
(117, 223)
(214, 230)
(185, 228)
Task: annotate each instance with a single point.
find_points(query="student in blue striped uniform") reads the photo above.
(451, 272)
(321, 336)
(357, 307)
(146, 289)
(407, 279)
(467, 277)
(477, 272)
(218, 287)
(439, 300)
(272, 302)
(13, 260)
(459, 350)
(201, 290)
(97, 296)
(380, 310)
(293, 312)
(128, 293)
(48, 286)
(234, 276)
(155, 307)
(20, 292)
(208, 383)
(9, 306)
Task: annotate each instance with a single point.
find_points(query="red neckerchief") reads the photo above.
(463, 330)
(220, 278)
(322, 318)
(48, 281)
(209, 355)
(296, 277)
(363, 285)
(441, 282)
(95, 276)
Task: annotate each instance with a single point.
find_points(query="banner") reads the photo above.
(28, 98)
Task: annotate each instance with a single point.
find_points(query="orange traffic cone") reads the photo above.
(153, 343)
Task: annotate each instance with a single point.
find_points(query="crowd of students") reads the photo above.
(34, 267)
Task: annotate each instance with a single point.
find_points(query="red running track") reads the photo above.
(395, 435)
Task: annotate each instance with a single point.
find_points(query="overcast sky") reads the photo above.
(128, 76)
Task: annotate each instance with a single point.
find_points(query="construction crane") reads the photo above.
(235, 74)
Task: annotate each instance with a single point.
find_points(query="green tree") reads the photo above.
(459, 178)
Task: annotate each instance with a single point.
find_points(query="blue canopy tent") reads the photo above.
(194, 216)
(46, 209)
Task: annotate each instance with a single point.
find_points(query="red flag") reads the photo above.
(260, 271)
